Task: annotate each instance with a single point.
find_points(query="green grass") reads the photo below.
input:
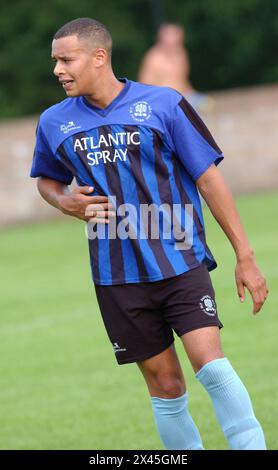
(61, 387)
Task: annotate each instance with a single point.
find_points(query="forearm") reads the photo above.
(52, 191)
(76, 203)
(221, 204)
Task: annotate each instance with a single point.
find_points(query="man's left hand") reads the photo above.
(248, 275)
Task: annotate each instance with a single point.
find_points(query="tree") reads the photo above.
(231, 43)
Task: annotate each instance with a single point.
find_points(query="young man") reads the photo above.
(145, 145)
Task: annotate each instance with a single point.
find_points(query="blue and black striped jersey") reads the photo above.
(147, 148)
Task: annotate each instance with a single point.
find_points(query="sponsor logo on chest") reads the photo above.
(106, 148)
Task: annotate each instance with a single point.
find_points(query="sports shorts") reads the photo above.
(140, 317)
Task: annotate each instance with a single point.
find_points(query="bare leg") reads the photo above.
(231, 401)
(165, 381)
(202, 345)
(163, 374)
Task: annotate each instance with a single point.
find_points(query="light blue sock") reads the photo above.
(232, 405)
(175, 426)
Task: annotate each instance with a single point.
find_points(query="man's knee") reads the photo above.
(202, 345)
(167, 386)
(163, 374)
(206, 358)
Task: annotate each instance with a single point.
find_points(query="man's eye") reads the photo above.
(62, 60)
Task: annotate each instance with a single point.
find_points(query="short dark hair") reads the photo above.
(89, 29)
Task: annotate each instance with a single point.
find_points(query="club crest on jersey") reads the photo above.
(140, 111)
(208, 306)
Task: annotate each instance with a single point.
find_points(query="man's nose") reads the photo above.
(58, 69)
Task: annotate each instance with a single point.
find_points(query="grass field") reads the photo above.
(61, 387)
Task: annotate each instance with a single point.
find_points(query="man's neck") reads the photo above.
(108, 90)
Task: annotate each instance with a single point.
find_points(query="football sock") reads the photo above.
(175, 426)
(232, 405)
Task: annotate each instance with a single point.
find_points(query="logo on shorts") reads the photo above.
(207, 304)
(140, 111)
(117, 348)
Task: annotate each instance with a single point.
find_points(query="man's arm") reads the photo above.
(221, 204)
(76, 203)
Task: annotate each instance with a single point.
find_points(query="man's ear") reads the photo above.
(100, 57)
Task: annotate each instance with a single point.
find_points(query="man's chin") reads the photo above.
(72, 94)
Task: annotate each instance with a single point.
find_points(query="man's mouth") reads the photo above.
(66, 83)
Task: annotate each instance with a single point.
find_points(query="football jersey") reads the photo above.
(146, 149)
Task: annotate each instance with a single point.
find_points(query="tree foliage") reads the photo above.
(230, 43)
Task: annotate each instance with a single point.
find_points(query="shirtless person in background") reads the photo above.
(167, 64)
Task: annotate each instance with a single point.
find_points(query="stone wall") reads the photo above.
(244, 123)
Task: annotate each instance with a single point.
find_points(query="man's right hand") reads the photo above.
(89, 208)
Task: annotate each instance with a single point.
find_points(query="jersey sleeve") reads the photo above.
(192, 141)
(45, 163)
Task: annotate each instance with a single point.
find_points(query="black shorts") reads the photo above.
(140, 317)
